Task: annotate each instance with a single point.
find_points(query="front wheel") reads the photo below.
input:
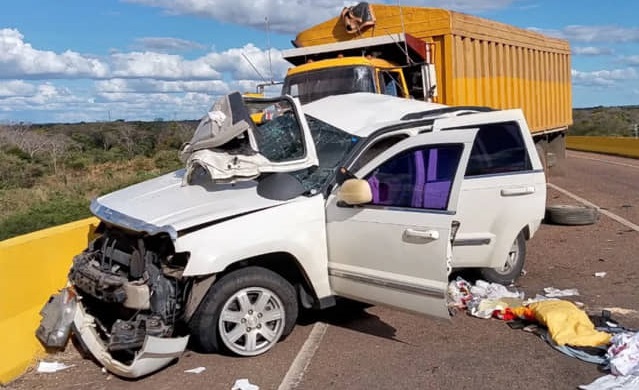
(245, 312)
(513, 265)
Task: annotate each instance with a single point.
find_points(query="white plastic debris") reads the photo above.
(195, 370)
(624, 354)
(244, 384)
(484, 289)
(552, 292)
(50, 367)
(600, 274)
(612, 382)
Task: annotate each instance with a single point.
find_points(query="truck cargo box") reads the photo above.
(479, 62)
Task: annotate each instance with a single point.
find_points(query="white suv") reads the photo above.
(364, 196)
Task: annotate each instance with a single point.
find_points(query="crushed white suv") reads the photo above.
(282, 206)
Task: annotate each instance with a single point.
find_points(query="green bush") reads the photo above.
(16, 172)
(167, 160)
(59, 210)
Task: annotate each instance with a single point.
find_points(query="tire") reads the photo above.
(246, 312)
(571, 215)
(513, 265)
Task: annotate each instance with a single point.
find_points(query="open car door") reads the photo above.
(229, 145)
(396, 249)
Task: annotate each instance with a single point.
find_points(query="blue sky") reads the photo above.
(79, 60)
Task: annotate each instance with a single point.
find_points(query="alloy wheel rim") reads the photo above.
(251, 321)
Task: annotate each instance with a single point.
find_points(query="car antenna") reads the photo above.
(254, 68)
(268, 48)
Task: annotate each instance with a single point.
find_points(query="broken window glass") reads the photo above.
(332, 146)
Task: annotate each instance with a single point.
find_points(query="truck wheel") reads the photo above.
(564, 214)
(245, 312)
(512, 266)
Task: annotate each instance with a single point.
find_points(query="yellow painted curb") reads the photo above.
(619, 146)
(34, 266)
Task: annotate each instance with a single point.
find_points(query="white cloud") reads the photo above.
(604, 77)
(631, 60)
(591, 51)
(591, 34)
(293, 16)
(160, 86)
(238, 62)
(20, 60)
(160, 66)
(167, 44)
(16, 88)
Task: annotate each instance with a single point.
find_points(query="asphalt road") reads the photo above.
(354, 347)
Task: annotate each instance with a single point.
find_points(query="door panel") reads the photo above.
(505, 179)
(394, 251)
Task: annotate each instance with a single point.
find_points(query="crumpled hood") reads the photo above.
(164, 204)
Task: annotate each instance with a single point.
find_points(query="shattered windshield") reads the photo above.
(332, 146)
(314, 85)
(279, 138)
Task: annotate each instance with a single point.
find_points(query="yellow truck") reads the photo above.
(440, 56)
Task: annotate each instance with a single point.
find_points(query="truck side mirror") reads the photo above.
(355, 191)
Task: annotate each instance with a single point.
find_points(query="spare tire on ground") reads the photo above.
(564, 214)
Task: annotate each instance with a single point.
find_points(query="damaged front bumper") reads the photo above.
(64, 312)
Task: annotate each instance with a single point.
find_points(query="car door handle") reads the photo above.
(431, 234)
(518, 191)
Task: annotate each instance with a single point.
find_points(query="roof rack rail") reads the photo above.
(442, 111)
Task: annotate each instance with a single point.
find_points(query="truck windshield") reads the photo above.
(332, 146)
(314, 85)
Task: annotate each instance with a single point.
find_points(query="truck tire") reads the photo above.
(513, 265)
(246, 312)
(571, 215)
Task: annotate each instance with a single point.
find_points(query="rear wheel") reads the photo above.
(245, 312)
(512, 267)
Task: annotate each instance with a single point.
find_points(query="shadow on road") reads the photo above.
(350, 315)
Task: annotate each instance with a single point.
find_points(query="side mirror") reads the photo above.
(355, 191)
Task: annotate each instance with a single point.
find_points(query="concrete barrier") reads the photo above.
(619, 146)
(32, 267)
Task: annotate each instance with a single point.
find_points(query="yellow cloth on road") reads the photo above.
(567, 324)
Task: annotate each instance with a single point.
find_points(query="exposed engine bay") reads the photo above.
(132, 285)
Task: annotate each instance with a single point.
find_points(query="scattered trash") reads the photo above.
(50, 367)
(624, 354)
(611, 382)
(600, 274)
(244, 384)
(483, 299)
(552, 292)
(195, 370)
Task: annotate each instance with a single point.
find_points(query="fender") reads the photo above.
(298, 228)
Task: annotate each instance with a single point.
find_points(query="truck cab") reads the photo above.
(317, 79)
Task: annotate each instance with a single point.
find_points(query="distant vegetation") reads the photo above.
(49, 173)
(605, 121)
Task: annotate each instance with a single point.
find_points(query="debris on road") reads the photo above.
(563, 324)
(244, 384)
(51, 367)
(567, 324)
(600, 274)
(624, 354)
(195, 370)
(623, 362)
(552, 292)
(611, 382)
